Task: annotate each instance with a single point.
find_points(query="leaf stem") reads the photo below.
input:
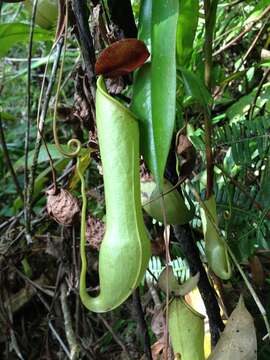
(210, 9)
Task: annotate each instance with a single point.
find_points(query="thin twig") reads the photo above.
(154, 293)
(58, 338)
(243, 33)
(162, 194)
(253, 105)
(27, 206)
(233, 3)
(8, 161)
(36, 287)
(14, 341)
(116, 338)
(251, 290)
(33, 284)
(71, 338)
(40, 127)
(167, 251)
(142, 324)
(249, 50)
(254, 42)
(210, 10)
(12, 220)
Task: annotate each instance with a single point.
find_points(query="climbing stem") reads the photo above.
(73, 143)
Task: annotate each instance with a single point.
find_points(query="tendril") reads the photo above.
(73, 143)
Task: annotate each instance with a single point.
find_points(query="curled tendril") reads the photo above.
(73, 143)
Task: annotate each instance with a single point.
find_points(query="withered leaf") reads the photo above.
(238, 340)
(186, 154)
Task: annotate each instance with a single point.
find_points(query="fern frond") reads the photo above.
(248, 139)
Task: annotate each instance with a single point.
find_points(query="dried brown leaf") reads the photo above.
(186, 154)
(238, 340)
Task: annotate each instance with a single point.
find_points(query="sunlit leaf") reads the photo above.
(43, 155)
(186, 30)
(13, 33)
(154, 88)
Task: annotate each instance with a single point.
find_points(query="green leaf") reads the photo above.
(186, 30)
(85, 162)
(43, 156)
(7, 116)
(259, 8)
(195, 88)
(12, 33)
(155, 84)
(241, 107)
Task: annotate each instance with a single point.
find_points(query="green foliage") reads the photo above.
(248, 139)
(13, 33)
(167, 93)
(152, 103)
(186, 30)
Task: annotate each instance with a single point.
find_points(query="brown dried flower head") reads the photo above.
(62, 206)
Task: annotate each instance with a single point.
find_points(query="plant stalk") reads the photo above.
(210, 9)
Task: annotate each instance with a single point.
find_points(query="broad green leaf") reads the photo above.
(85, 161)
(163, 79)
(265, 64)
(195, 88)
(155, 84)
(43, 156)
(7, 116)
(13, 33)
(241, 107)
(186, 30)
(35, 63)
